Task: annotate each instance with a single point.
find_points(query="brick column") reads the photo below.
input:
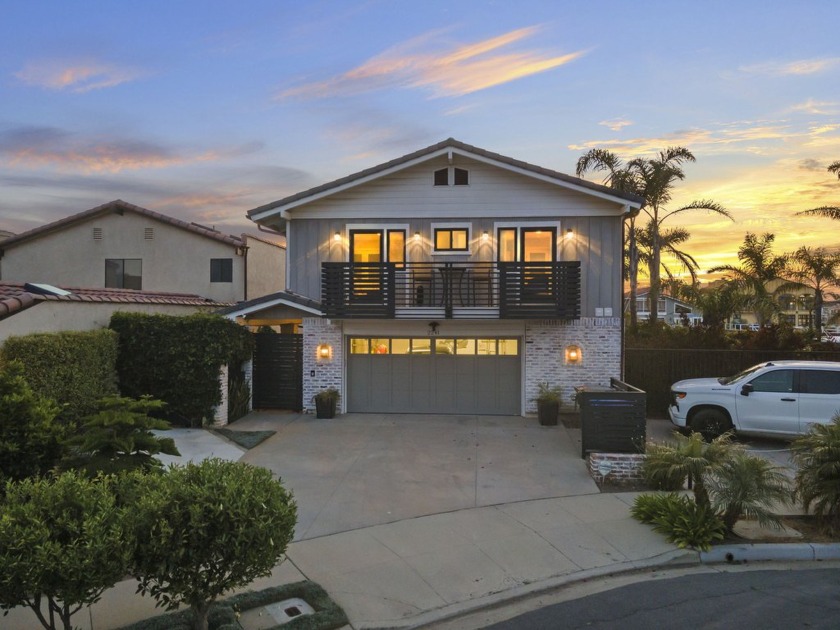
(327, 372)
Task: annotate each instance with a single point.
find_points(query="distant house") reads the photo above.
(37, 308)
(450, 280)
(670, 310)
(122, 246)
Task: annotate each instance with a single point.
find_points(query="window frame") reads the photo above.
(220, 270)
(451, 227)
(384, 229)
(122, 262)
(519, 226)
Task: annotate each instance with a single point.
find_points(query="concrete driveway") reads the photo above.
(359, 470)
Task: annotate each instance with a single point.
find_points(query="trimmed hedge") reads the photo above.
(177, 359)
(75, 369)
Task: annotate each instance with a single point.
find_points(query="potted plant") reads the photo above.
(548, 403)
(325, 402)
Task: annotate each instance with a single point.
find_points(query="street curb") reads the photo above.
(723, 554)
(769, 552)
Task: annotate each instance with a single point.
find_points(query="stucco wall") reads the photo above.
(175, 260)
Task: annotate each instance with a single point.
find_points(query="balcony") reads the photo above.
(503, 290)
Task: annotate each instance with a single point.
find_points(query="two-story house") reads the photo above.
(452, 280)
(122, 246)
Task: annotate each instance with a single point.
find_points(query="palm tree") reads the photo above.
(814, 269)
(758, 268)
(688, 458)
(669, 239)
(654, 180)
(749, 486)
(817, 459)
(719, 303)
(829, 212)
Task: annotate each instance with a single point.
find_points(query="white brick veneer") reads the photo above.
(545, 342)
(220, 417)
(327, 372)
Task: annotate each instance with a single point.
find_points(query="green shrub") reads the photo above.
(178, 359)
(681, 520)
(75, 369)
(817, 458)
(63, 541)
(205, 529)
(30, 437)
(239, 393)
(118, 438)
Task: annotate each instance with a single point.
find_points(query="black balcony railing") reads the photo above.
(515, 290)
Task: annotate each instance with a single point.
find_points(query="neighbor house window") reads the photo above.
(452, 239)
(124, 273)
(221, 270)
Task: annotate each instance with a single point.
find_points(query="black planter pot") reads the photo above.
(548, 410)
(325, 407)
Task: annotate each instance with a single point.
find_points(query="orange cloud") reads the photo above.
(799, 67)
(76, 76)
(616, 124)
(466, 69)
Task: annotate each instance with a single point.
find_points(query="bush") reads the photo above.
(63, 540)
(204, 529)
(30, 437)
(817, 458)
(178, 359)
(681, 520)
(75, 369)
(118, 438)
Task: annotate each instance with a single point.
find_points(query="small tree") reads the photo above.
(204, 529)
(817, 459)
(30, 437)
(749, 486)
(688, 458)
(119, 438)
(62, 542)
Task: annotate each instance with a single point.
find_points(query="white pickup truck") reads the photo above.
(778, 398)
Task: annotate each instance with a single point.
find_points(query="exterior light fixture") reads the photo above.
(485, 236)
(570, 233)
(324, 352)
(417, 237)
(573, 354)
(337, 236)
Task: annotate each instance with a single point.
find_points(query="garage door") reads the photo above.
(463, 375)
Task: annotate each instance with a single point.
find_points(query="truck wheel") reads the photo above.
(710, 423)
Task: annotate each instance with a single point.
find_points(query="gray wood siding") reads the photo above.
(494, 196)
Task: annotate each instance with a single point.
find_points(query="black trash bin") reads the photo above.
(612, 419)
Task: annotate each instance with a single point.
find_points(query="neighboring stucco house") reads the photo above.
(122, 246)
(670, 310)
(452, 280)
(38, 308)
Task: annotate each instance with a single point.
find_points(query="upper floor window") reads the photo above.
(458, 176)
(452, 239)
(124, 273)
(221, 270)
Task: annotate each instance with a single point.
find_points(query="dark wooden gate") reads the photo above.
(278, 371)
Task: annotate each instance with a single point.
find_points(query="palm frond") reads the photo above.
(829, 212)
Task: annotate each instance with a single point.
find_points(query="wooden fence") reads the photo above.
(654, 370)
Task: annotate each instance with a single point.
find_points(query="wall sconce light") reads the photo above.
(574, 354)
(569, 233)
(337, 236)
(324, 352)
(485, 236)
(417, 237)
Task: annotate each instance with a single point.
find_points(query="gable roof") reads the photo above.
(17, 296)
(284, 298)
(442, 148)
(118, 206)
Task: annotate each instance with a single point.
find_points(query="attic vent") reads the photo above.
(97, 234)
(149, 233)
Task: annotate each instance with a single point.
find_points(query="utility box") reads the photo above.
(612, 419)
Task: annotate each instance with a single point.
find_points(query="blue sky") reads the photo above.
(203, 110)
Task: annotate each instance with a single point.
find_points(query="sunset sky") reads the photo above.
(203, 110)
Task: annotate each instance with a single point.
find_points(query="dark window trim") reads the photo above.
(451, 231)
(388, 245)
(122, 274)
(220, 272)
(445, 171)
(381, 233)
(455, 171)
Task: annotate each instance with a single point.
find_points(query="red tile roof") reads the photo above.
(15, 297)
(119, 206)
